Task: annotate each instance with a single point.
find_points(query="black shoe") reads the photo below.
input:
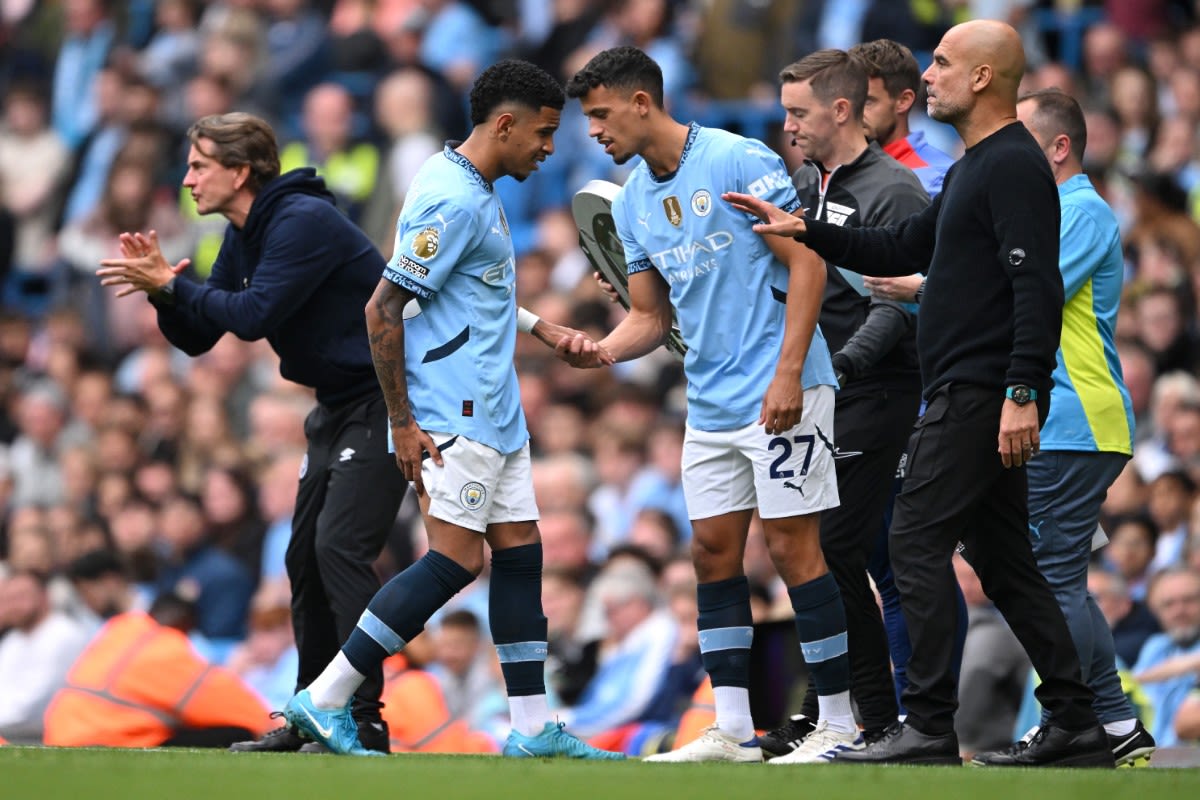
(1052, 746)
(904, 744)
(374, 735)
(281, 740)
(787, 737)
(1131, 747)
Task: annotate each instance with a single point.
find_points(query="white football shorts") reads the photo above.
(476, 485)
(782, 476)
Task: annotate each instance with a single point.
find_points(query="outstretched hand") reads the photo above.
(571, 345)
(580, 350)
(142, 266)
(775, 221)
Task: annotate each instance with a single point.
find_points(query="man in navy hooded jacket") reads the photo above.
(295, 270)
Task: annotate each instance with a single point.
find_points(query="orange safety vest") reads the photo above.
(138, 682)
(701, 714)
(416, 713)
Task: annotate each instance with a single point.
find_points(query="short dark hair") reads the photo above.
(513, 81)
(625, 68)
(1058, 114)
(832, 74)
(463, 620)
(892, 62)
(240, 140)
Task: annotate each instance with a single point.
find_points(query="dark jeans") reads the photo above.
(1066, 490)
(350, 491)
(871, 427)
(956, 488)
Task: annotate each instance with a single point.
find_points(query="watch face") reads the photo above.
(1020, 394)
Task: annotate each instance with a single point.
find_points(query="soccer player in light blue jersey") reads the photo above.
(760, 381)
(442, 325)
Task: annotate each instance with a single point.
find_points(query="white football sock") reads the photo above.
(334, 687)
(1122, 727)
(733, 711)
(835, 710)
(529, 713)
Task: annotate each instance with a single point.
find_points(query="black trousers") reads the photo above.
(350, 491)
(957, 489)
(871, 428)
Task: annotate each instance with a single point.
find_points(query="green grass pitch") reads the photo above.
(50, 774)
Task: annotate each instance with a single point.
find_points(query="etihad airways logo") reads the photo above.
(683, 254)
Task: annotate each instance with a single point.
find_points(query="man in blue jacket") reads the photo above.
(293, 269)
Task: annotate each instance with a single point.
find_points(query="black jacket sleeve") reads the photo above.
(887, 251)
(887, 322)
(182, 326)
(1026, 225)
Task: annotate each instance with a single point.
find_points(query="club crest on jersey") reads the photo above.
(472, 496)
(425, 244)
(701, 203)
(674, 210)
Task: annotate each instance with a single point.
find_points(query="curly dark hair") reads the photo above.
(514, 81)
(625, 68)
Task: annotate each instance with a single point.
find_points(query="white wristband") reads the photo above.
(526, 319)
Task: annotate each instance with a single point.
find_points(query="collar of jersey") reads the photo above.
(465, 163)
(693, 129)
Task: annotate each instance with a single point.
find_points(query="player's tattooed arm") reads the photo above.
(385, 332)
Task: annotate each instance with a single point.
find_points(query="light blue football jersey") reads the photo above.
(726, 285)
(454, 252)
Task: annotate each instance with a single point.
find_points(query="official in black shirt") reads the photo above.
(987, 333)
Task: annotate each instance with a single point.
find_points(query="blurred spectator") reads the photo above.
(1131, 621)
(267, 659)
(1170, 501)
(231, 515)
(90, 34)
(634, 656)
(566, 541)
(141, 684)
(462, 666)
(1104, 53)
(122, 102)
(349, 166)
(1130, 550)
(278, 483)
(34, 163)
(193, 567)
(456, 41)
(1170, 392)
(995, 670)
(33, 457)
(101, 586)
(572, 659)
(35, 655)
(404, 111)
(171, 58)
(1167, 665)
(741, 46)
(297, 56)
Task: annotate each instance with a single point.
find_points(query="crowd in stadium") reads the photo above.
(136, 479)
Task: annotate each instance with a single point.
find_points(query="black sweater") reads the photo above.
(991, 314)
(299, 273)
